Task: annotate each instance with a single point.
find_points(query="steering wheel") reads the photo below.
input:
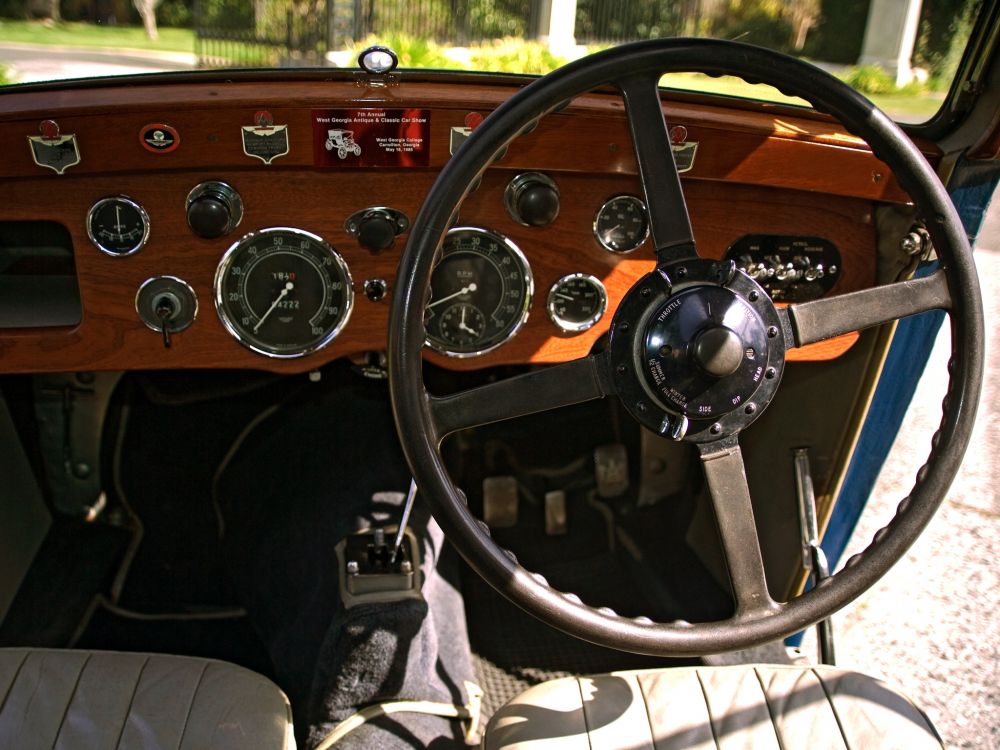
(696, 348)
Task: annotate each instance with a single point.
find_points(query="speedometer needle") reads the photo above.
(284, 293)
(464, 290)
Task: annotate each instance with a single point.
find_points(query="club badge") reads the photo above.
(52, 150)
(159, 138)
(265, 140)
(684, 150)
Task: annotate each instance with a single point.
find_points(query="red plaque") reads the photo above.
(374, 137)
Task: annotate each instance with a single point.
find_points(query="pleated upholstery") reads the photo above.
(762, 707)
(106, 700)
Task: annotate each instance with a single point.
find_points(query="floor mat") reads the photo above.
(76, 561)
(512, 650)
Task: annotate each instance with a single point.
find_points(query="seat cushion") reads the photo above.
(103, 700)
(697, 708)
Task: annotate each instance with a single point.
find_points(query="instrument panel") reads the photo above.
(284, 258)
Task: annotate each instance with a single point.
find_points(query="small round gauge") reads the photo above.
(621, 224)
(283, 292)
(576, 302)
(480, 293)
(118, 226)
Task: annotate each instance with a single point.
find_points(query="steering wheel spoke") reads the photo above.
(832, 316)
(548, 388)
(669, 223)
(727, 487)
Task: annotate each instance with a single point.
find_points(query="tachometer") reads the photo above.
(283, 292)
(480, 293)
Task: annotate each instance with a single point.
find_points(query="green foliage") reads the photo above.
(945, 27)
(869, 79)
(175, 13)
(514, 56)
(4, 76)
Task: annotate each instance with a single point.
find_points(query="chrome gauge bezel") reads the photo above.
(234, 329)
(569, 326)
(522, 314)
(604, 207)
(134, 205)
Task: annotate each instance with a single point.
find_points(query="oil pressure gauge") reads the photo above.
(118, 226)
(576, 302)
(621, 224)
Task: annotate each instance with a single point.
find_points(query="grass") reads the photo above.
(92, 35)
(504, 55)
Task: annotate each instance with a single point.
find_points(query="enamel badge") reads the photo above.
(265, 140)
(684, 150)
(159, 138)
(53, 150)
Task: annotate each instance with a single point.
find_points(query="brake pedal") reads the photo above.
(500, 502)
(555, 513)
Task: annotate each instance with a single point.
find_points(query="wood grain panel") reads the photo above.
(767, 146)
(111, 337)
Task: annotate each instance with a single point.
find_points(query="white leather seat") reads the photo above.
(701, 708)
(104, 700)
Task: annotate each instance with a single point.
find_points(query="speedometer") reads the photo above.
(480, 293)
(283, 292)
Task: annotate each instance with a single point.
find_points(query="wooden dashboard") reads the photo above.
(757, 170)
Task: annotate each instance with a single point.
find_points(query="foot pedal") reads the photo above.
(500, 502)
(555, 513)
(611, 470)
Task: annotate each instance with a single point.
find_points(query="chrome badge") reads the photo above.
(265, 140)
(52, 150)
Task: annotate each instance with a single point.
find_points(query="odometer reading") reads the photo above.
(283, 292)
(480, 293)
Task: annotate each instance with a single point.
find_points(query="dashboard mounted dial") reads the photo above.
(576, 302)
(118, 226)
(481, 293)
(621, 224)
(283, 292)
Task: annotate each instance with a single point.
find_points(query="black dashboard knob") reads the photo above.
(377, 227)
(532, 199)
(214, 209)
(377, 232)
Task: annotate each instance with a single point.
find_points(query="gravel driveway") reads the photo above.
(932, 625)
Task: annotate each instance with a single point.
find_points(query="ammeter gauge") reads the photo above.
(118, 226)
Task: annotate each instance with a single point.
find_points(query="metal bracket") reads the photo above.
(813, 557)
(368, 573)
(70, 409)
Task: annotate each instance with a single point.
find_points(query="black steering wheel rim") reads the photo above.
(413, 408)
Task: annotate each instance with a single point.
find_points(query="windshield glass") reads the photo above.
(903, 54)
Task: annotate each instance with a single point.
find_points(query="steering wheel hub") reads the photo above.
(705, 352)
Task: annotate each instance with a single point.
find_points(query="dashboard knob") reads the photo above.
(718, 351)
(377, 227)
(377, 232)
(214, 209)
(532, 199)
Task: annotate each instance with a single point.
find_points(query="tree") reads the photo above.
(147, 10)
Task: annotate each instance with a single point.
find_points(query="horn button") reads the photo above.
(696, 350)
